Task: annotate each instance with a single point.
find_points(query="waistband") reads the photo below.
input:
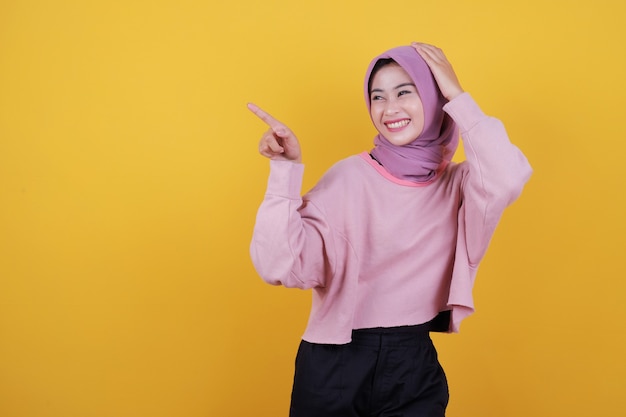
(387, 337)
(402, 335)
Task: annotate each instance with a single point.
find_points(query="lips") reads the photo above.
(394, 125)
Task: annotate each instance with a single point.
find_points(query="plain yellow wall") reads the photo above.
(129, 182)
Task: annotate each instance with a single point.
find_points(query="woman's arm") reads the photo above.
(291, 243)
(497, 170)
(494, 175)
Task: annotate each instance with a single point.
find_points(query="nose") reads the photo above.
(391, 107)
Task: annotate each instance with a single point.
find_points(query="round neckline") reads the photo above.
(382, 171)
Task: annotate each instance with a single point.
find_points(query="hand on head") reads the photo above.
(441, 68)
(279, 142)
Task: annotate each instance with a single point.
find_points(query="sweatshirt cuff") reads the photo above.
(285, 179)
(464, 111)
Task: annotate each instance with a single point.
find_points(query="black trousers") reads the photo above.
(389, 372)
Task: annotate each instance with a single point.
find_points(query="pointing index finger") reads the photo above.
(265, 116)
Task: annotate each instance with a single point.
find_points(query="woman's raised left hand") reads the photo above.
(441, 68)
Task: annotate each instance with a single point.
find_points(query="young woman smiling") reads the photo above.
(389, 240)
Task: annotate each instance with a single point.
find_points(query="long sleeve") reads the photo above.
(291, 243)
(496, 173)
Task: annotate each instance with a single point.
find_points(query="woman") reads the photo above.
(389, 241)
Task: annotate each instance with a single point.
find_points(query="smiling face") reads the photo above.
(395, 106)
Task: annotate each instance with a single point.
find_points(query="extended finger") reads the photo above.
(276, 126)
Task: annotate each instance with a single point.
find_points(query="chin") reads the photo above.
(400, 142)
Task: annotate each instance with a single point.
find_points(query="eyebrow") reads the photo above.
(380, 90)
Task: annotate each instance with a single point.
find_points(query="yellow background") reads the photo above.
(129, 182)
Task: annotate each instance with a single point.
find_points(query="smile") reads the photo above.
(397, 124)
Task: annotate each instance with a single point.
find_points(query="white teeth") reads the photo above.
(397, 125)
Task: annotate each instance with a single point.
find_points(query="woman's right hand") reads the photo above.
(279, 142)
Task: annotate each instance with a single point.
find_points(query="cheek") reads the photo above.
(418, 110)
(417, 114)
(375, 114)
(376, 121)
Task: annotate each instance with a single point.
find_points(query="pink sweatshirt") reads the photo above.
(378, 251)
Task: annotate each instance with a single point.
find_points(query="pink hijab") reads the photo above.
(422, 159)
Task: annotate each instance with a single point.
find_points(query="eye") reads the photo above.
(404, 92)
(376, 98)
